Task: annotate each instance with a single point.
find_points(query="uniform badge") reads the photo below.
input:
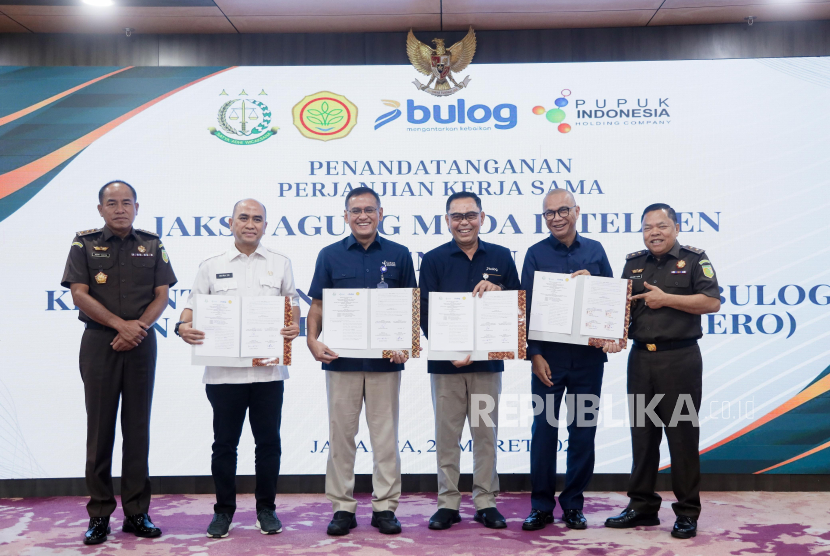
(164, 256)
(99, 248)
(78, 244)
(637, 271)
(708, 271)
(681, 264)
(101, 278)
(485, 276)
(142, 249)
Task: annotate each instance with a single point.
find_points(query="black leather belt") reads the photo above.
(96, 326)
(664, 346)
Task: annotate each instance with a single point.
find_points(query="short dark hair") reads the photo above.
(113, 182)
(660, 206)
(362, 190)
(463, 195)
(264, 210)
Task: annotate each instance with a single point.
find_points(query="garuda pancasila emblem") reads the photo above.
(441, 62)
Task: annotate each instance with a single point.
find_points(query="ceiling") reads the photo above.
(350, 16)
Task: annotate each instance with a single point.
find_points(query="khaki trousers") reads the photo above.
(452, 398)
(346, 391)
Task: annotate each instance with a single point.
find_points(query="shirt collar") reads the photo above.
(107, 233)
(352, 241)
(454, 248)
(558, 244)
(233, 252)
(674, 251)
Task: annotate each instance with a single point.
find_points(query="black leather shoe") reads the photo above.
(537, 520)
(341, 523)
(631, 518)
(490, 518)
(443, 519)
(685, 527)
(141, 525)
(386, 522)
(574, 519)
(99, 528)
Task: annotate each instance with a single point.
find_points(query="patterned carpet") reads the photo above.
(733, 523)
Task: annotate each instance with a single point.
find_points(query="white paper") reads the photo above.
(262, 319)
(346, 318)
(553, 303)
(603, 307)
(451, 321)
(497, 321)
(218, 317)
(391, 318)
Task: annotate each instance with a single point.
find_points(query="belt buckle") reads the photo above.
(651, 347)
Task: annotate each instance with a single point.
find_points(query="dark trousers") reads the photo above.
(545, 439)
(671, 373)
(230, 403)
(109, 377)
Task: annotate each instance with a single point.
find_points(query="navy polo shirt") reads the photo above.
(346, 264)
(549, 255)
(448, 269)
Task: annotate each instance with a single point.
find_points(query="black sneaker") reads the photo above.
(341, 523)
(219, 526)
(99, 528)
(386, 522)
(268, 522)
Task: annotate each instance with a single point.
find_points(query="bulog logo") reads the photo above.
(504, 114)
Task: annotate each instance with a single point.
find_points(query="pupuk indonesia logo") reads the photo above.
(243, 121)
(556, 115)
(325, 116)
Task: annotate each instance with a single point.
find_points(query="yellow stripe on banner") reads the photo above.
(20, 113)
(796, 458)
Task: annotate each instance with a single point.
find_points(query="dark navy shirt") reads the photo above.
(448, 269)
(346, 264)
(549, 255)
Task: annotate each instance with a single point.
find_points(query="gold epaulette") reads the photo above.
(87, 232)
(146, 232)
(636, 254)
(692, 249)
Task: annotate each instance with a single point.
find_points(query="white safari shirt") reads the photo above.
(264, 272)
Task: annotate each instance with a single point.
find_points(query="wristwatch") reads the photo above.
(176, 330)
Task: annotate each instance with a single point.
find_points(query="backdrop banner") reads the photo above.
(738, 147)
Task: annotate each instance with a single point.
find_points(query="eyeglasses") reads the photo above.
(562, 211)
(368, 211)
(469, 217)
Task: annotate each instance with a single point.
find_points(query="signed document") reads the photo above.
(346, 318)
(553, 302)
(496, 321)
(451, 321)
(218, 317)
(262, 319)
(586, 310)
(391, 318)
(372, 323)
(603, 307)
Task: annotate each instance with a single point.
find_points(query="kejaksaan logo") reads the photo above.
(503, 116)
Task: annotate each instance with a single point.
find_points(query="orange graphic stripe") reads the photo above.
(796, 458)
(20, 113)
(802, 397)
(23, 176)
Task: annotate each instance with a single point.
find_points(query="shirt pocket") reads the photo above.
(341, 275)
(269, 285)
(677, 282)
(144, 270)
(593, 268)
(392, 276)
(224, 286)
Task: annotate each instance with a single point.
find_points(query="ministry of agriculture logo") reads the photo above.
(325, 116)
(244, 121)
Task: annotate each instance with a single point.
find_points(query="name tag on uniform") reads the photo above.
(635, 277)
(137, 254)
(101, 255)
(224, 275)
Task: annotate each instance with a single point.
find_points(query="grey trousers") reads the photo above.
(456, 398)
(346, 392)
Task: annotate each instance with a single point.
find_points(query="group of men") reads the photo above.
(119, 279)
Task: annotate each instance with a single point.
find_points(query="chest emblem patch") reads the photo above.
(142, 249)
(101, 278)
(681, 264)
(637, 271)
(99, 248)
